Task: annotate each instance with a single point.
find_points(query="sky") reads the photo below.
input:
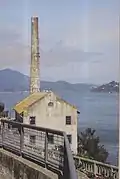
(79, 39)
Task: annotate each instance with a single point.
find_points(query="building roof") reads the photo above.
(28, 101)
(33, 98)
(63, 101)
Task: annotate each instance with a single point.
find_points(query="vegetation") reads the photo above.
(89, 146)
(109, 87)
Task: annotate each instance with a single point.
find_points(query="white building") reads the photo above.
(46, 109)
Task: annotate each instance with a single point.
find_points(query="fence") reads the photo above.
(44, 146)
(98, 168)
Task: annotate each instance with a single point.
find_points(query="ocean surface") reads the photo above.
(97, 110)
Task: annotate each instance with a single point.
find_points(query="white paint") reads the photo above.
(55, 117)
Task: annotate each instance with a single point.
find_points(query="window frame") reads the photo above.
(50, 104)
(68, 120)
(50, 136)
(34, 118)
(32, 140)
(69, 136)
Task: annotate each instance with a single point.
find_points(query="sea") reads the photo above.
(98, 111)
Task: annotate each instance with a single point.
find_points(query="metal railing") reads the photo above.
(44, 146)
(95, 167)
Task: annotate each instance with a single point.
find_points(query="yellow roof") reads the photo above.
(33, 98)
(28, 101)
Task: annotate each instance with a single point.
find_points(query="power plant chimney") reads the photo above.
(34, 67)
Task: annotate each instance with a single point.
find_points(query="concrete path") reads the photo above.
(81, 175)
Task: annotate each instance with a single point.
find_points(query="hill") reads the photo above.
(109, 87)
(11, 80)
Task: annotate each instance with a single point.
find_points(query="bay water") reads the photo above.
(97, 110)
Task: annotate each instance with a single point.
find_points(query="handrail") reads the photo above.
(97, 168)
(71, 165)
(96, 162)
(33, 142)
(33, 127)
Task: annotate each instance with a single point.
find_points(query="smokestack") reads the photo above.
(34, 67)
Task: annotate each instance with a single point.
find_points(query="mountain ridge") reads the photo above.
(12, 80)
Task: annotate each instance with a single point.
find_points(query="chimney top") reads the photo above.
(34, 18)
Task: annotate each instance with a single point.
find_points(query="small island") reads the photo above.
(109, 87)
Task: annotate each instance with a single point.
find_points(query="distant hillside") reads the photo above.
(11, 80)
(109, 87)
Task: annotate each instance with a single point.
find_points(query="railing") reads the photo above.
(44, 146)
(98, 168)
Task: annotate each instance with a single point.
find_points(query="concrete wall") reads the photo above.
(55, 117)
(14, 167)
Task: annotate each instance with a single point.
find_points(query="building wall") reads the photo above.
(55, 117)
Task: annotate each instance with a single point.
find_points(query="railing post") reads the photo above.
(21, 139)
(95, 168)
(65, 164)
(46, 148)
(2, 131)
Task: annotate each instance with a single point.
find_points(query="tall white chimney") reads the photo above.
(35, 56)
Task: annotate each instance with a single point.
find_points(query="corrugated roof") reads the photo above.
(28, 101)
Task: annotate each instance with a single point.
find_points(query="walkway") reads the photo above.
(27, 166)
(31, 142)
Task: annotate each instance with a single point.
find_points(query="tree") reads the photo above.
(89, 146)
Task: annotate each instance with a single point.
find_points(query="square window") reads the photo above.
(68, 120)
(32, 139)
(32, 120)
(69, 138)
(50, 139)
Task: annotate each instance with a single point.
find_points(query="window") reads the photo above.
(69, 138)
(68, 120)
(50, 139)
(50, 104)
(32, 120)
(32, 139)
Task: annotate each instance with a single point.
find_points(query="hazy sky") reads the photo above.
(79, 39)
